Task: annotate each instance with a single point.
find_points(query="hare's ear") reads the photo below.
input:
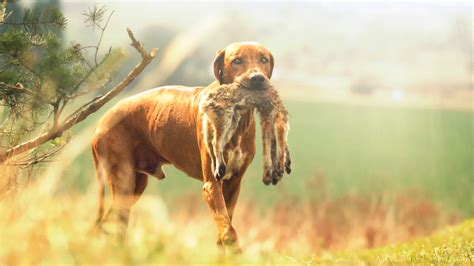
(219, 65)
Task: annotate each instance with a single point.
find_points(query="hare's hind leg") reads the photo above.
(209, 120)
(216, 128)
(224, 130)
(281, 159)
(268, 137)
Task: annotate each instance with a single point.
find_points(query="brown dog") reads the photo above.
(164, 126)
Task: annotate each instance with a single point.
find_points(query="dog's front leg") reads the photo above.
(213, 195)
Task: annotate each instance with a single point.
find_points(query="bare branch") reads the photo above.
(84, 111)
(3, 10)
(137, 45)
(101, 35)
(29, 161)
(62, 107)
(56, 112)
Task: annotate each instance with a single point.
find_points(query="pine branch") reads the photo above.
(34, 23)
(34, 20)
(84, 111)
(18, 86)
(101, 36)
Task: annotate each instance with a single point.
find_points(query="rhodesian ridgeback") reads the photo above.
(162, 126)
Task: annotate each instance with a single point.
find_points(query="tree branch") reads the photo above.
(101, 36)
(18, 86)
(3, 11)
(40, 22)
(84, 111)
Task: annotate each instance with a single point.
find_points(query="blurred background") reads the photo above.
(381, 104)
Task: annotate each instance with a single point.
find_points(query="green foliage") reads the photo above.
(39, 74)
(52, 64)
(50, 72)
(41, 21)
(11, 97)
(60, 67)
(94, 16)
(14, 43)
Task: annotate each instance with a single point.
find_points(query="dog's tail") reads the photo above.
(100, 180)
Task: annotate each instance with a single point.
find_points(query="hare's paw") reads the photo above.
(288, 162)
(220, 171)
(267, 176)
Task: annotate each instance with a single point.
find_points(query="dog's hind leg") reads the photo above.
(141, 181)
(100, 179)
(123, 188)
(118, 167)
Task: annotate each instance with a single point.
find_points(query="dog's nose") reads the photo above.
(257, 78)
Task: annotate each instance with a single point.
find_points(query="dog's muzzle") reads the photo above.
(257, 80)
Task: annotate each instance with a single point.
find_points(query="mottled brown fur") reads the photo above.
(222, 106)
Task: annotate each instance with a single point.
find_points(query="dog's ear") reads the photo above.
(272, 64)
(219, 65)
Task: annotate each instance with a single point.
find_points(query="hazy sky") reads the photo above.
(402, 41)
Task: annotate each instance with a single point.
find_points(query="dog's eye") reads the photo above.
(264, 60)
(237, 61)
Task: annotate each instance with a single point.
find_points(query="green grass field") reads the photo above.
(353, 149)
(453, 245)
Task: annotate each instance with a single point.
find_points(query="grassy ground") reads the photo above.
(37, 229)
(363, 177)
(451, 245)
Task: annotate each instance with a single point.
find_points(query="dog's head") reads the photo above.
(249, 63)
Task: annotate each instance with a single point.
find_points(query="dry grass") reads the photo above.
(36, 227)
